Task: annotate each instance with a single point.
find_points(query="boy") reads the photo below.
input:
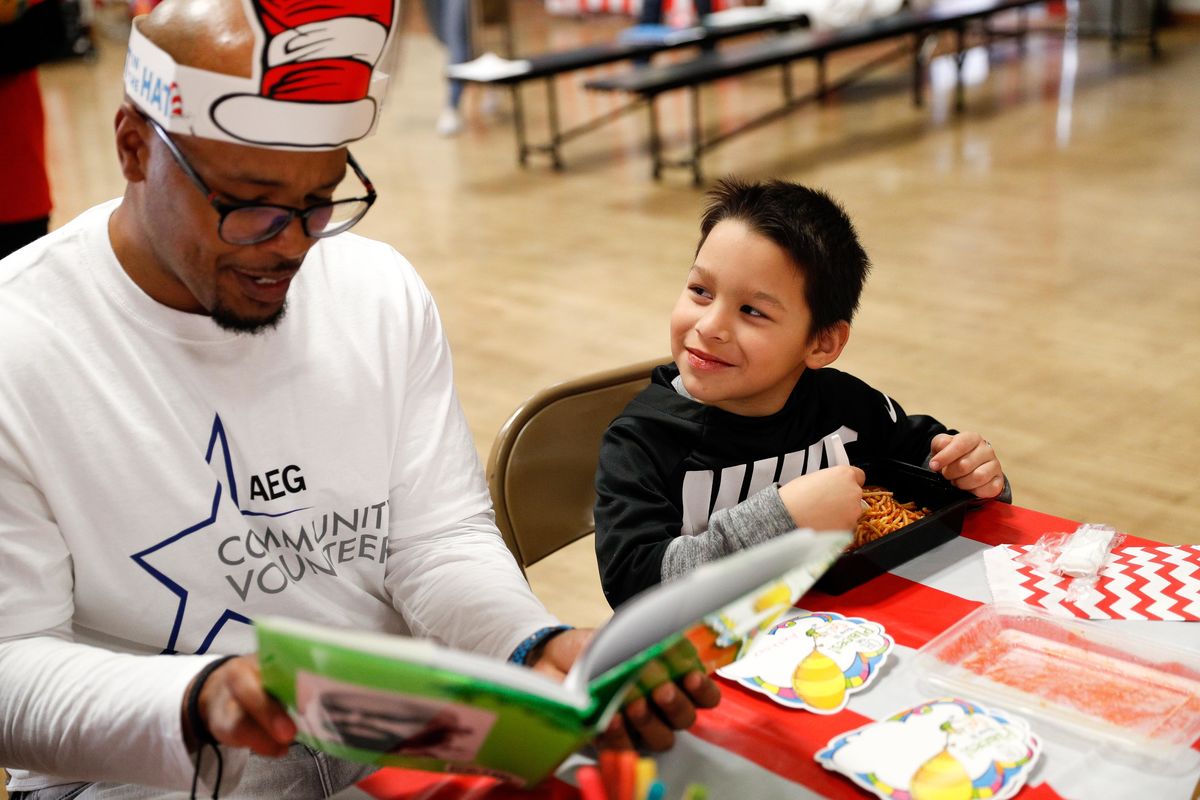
(745, 436)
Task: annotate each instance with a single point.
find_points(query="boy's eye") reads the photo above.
(699, 291)
(754, 312)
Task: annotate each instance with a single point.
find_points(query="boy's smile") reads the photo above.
(701, 360)
(740, 330)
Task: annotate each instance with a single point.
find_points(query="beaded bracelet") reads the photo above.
(536, 640)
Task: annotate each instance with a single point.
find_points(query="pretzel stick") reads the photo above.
(883, 515)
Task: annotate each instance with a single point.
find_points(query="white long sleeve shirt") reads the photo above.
(163, 481)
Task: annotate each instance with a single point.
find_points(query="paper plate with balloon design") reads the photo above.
(813, 661)
(948, 749)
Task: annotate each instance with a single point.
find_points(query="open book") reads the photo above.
(392, 700)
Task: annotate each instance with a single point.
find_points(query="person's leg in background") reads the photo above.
(450, 21)
(25, 201)
(703, 9)
(652, 12)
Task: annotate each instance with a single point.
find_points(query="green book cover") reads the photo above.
(398, 701)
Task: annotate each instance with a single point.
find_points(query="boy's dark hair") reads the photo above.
(811, 227)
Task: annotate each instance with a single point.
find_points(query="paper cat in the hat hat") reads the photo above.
(318, 77)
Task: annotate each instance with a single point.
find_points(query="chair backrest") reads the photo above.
(542, 467)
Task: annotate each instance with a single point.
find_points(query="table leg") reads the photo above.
(555, 134)
(1157, 9)
(697, 178)
(960, 35)
(519, 124)
(1114, 26)
(918, 70)
(655, 139)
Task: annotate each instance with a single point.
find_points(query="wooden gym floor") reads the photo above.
(1037, 259)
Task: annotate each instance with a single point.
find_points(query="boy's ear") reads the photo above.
(131, 134)
(827, 345)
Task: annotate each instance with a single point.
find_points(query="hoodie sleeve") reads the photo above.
(635, 516)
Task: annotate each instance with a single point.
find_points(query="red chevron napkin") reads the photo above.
(1142, 583)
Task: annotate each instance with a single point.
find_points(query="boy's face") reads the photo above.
(740, 329)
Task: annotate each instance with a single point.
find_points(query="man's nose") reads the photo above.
(292, 242)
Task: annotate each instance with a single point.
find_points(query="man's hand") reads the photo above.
(968, 461)
(555, 657)
(826, 500)
(654, 719)
(238, 712)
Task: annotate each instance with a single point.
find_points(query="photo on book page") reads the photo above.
(391, 722)
(813, 660)
(942, 748)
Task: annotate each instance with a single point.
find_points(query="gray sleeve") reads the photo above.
(756, 519)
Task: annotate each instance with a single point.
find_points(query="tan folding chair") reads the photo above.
(542, 467)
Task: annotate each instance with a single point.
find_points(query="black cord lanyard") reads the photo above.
(200, 732)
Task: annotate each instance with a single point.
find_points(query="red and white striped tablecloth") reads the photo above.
(749, 748)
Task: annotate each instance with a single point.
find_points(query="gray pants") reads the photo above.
(302, 773)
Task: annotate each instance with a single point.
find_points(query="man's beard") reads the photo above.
(232, 322)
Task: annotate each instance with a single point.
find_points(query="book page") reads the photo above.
(721, 591)
(429, 654)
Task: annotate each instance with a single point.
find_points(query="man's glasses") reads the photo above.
(251, 223)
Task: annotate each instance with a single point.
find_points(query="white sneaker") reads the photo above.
(449, 122)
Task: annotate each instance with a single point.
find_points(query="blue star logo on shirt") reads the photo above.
(199, 609)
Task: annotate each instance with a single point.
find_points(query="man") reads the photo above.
(212, 408)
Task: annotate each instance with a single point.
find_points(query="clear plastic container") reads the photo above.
(1136, 699)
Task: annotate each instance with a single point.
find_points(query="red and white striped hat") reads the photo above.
(318, 77)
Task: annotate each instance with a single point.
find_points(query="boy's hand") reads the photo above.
(826, 500)
(653, 720)
(968, 461)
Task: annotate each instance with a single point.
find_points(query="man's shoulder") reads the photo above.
(54, 254)
(42, 284)
(360, 257)
(367, 268)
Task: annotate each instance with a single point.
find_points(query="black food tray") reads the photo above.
(906, 482)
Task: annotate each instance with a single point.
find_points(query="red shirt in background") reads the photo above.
(25, 187)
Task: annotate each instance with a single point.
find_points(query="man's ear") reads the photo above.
(132, 146)
(827, 345)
